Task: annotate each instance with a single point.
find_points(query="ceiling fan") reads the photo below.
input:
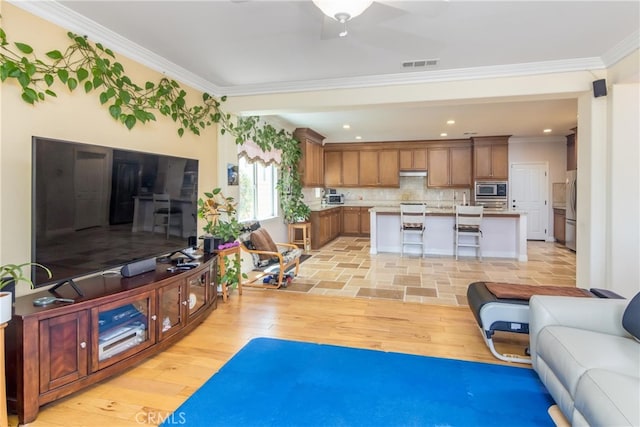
(372, 19)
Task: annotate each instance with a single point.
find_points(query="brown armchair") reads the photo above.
(280, 261)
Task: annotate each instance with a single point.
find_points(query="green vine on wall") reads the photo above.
(94, 68)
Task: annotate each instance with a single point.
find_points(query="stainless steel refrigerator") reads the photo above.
(570, 227)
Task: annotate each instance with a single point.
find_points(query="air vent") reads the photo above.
(470, 133)
(420, 63)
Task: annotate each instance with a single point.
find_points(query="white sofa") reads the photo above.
(586, 359)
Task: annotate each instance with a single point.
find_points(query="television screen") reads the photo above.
(93, 207)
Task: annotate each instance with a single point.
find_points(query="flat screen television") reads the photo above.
(93, 209)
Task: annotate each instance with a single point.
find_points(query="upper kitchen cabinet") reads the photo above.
(379, 168)
(449, 165)
(341, 168)
(491, 157)
(572, 150)
(311, 166)
(413, 159)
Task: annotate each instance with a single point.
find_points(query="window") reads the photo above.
(258, 193)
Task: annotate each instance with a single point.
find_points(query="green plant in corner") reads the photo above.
(15, 273)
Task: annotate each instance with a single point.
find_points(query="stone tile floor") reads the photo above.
(344, 267)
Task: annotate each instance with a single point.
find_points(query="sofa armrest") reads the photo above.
(594, 314)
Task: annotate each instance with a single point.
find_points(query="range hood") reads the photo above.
(413, 173)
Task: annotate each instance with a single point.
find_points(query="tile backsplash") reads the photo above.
(411, 189)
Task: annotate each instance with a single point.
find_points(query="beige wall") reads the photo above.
(75, 117)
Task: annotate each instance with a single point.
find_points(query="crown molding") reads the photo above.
(70, 20)
(622, 49)
(497, 71)
(53, 11)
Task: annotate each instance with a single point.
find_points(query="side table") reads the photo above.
(305, 239)
(222, 254)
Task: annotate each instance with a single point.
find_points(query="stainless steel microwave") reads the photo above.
(491, 190)
(334, 199)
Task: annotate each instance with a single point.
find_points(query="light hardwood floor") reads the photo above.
(149, 392)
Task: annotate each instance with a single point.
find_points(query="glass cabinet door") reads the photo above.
(197, 290)
(171, 313)
(123, 328)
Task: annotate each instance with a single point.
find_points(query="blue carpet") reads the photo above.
(272, 382)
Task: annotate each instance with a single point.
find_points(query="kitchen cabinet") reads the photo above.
(449, 166)
(413, 159)
(326, 225)
(572, 150)
(356, 221)
(368, 175)
(559, 218)
(350, 168)
(365, 221)
(491, 158)
(332, 168)
(351, 220)
(311, 166)
(379, 168)
(341, 168)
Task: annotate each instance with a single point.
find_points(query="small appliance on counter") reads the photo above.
(333, 198)
(492, 195)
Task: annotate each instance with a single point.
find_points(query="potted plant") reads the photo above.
(11, 274)
(223, 229)
(219, 212)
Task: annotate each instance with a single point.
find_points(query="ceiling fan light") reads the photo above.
(339, 9)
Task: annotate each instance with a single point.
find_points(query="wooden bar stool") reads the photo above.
(305, 240)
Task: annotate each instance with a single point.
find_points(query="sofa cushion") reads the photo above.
(631, 317)
(570, 352)
(608, 398)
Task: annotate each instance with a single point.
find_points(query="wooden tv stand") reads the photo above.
(56, 350)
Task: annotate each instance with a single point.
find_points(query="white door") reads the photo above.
(530, 192)
(90, 189)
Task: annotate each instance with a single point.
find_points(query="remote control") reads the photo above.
(189, 264)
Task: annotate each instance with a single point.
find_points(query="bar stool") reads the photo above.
(412, 216)
(305, 240)
(468, 221)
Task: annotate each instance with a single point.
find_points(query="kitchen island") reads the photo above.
(504, 233)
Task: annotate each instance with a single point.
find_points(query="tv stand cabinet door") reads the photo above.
(63, 350)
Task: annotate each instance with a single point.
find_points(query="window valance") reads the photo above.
(253, 153)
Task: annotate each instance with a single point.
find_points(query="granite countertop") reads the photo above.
(390, 207)
(446, 211)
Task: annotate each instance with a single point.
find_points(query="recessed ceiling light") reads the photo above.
(443, 134)
(547, 131)
(358, 137)
(346, 126)
(451, 122)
